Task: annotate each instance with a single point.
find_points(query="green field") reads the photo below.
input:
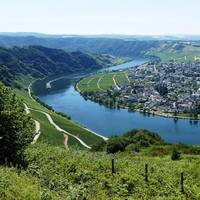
(106, 81)
(89, 83)
(101, 82)
(121, 78)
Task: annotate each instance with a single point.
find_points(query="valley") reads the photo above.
(83, 145)
(99, 100)
(108, 121)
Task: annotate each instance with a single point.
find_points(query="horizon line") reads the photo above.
(97, 34)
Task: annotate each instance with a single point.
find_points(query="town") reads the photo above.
(170, 89)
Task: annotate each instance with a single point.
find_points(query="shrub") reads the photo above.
(115, 144)
(101, 146)
(160, 150)
(133, 147)
(139, 139)
(176, 155)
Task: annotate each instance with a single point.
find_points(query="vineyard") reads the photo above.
(102, 82)
(56, 174)
(48, 133)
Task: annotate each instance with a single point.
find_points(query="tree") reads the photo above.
(16, 128)
(162, 89)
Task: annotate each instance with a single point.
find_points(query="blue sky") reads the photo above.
(133, 17)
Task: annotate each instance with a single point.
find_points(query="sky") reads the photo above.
(87, 17)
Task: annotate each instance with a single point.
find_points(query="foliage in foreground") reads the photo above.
(133, 140)
(16, 128)
(54, 173)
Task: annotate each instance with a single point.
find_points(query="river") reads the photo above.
(108, 122)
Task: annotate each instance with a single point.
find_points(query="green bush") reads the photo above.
(159, 150)
(139, 138)
(133, 147)
(176, 155)
(115, 144)
(101, 146)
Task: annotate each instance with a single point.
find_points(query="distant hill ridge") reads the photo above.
(120, 46)
(39, 61)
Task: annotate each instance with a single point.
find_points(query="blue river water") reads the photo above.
(108, 122)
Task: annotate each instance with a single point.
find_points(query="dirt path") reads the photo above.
(60, 129)
(127, 77)
(29, 92)
(27, 109)
(99, 82)
(90, 80)
(37, 126)
(66, 141)
(115, 82)
(37, 130)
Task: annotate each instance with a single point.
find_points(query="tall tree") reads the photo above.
(16, 128)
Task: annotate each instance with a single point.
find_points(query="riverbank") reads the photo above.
(79, 125)
(54, 127)
(109, 122)
(153, 113)
(95, 88)
(158, 113)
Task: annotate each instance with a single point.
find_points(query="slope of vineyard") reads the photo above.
(58, 174)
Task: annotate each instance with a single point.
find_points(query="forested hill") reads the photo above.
(39, 61)
(118, 47)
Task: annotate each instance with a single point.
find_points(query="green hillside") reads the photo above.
(134, 48)
(38, 62)
(66, 161)
(48, 133)
(54, 173)
(177, 51)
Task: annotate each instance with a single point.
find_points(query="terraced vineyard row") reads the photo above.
(102, 82)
